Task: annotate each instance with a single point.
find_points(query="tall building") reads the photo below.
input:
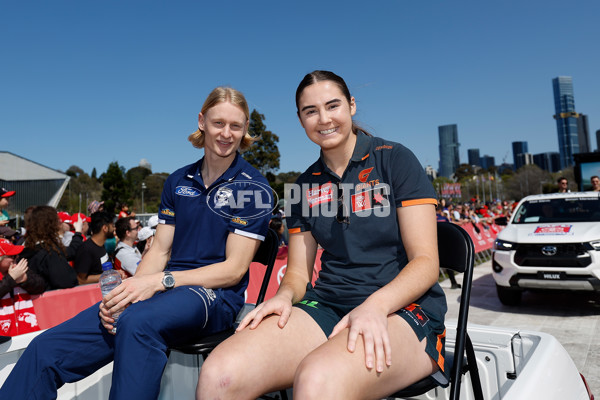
(473, 155)
(487, 161)
(518, 148)
(583, 134)
(566, 119)
(524, 159)
(449, 158)
(548, 161)
(598, 140)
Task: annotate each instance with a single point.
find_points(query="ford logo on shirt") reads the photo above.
(186, 191)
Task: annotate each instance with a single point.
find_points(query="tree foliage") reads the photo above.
(264, 153)
(115, 188)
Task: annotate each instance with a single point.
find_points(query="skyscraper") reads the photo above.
(547, 161)
(473, 155)
(449, 159)
(566, 119)
(518, 148)
(487, 162)
(598, 140)
(583, 134)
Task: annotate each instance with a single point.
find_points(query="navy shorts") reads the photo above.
(425, 325)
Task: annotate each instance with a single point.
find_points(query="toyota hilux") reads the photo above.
(552, 242)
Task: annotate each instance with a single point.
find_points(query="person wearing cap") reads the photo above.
(8, 233)
(127, 256)
(95, 206)
(4, 202)
(145, 239)
(17, 274)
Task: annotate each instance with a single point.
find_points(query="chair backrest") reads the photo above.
(266, 255)
(456, 252)
(455, 247)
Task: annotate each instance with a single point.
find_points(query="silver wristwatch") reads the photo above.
(168, 280)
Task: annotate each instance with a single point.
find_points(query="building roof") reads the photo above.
(16, 168)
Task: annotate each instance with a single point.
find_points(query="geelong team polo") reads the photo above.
(240, 201)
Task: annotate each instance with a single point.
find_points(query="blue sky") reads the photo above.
(90, 82)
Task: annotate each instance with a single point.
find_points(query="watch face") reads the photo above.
(168, 281)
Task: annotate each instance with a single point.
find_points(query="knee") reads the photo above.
(220, 377)
(313, 376)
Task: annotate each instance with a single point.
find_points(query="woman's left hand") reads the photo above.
(372, 323)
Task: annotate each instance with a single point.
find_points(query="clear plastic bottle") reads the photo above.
(109, 279)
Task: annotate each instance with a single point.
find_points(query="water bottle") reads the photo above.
(109, 279)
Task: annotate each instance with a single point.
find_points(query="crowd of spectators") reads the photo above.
(56, 250)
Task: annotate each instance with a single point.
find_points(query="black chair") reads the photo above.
(456, 252)
(266, 255)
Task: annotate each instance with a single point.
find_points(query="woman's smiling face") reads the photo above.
(326, 115)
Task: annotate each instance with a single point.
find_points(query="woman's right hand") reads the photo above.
(19, 271)
(278, 304)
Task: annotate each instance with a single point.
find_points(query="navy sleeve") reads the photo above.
(410, 184)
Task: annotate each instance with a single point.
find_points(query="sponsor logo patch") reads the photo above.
(385, 146)
(238, 220)
(417, 313)
(187, 191)
(321, 194)
(562, 229)
(168, 212)
(369, 199)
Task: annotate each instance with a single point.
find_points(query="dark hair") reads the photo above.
(560, 179)
(122, 227)
(320, 76)
(99, 219)
(42, 229)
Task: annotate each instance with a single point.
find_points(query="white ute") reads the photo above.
(552, 242)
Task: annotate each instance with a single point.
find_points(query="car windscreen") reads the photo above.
(576, 209)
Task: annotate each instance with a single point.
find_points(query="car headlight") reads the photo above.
(503, 245)
(595, 244)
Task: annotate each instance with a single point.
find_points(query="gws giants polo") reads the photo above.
(358, 229)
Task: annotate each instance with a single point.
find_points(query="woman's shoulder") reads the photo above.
(308, 176)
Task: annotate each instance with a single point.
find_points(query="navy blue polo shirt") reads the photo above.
(240, 201)
(354, 219)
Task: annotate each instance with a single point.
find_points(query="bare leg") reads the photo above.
(332, 372)
(254, 362)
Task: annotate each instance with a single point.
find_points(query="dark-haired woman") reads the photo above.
(44, 250)
(374, 321)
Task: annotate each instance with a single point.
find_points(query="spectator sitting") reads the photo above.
(4, 202)
(595, 180)
(440, 215)
(125, 211)
(563, 185)
(127, 256)
(9, 234)
(66, 225)
(88, 262)
(85, 223)
(17, 274)
(46, 254)
(95, 206)
(145, 239)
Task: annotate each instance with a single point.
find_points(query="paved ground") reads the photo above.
(571, 317)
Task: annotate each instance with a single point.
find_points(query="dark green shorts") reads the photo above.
(327, 314)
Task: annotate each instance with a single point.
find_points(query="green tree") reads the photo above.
(264, 153)
(94, 174)
(115, 187)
